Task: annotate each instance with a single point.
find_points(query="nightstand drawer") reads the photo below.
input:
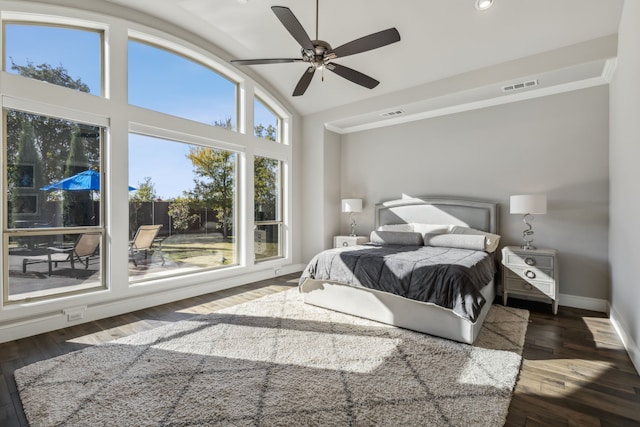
(344, 241)
(520, 286)
(530, 273)
(531, 260)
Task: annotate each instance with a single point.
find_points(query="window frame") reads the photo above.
(279, 111)
(8, 233)
(279, 120)
(195, 56)
(11, 18)
(170, 136)
(279, 221)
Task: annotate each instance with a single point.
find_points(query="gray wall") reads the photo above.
(556, 145)
(625, 181)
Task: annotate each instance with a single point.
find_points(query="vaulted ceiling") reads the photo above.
(439, 38)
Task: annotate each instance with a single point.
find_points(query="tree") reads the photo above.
(46, 73)
(265, 179)
(179, 212)
(25, 172)
(268, 132)
(77, 206)
(146, 191)
(141, 205)
(51, 136)
(265, 183)
(216, 186)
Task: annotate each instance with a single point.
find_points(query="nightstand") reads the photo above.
(530, 272)
(343, 241)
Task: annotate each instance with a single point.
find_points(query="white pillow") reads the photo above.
(460, 241)
(396, 227)
(431, 228)
(491, 242)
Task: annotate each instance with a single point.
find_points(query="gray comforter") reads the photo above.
(448, 277)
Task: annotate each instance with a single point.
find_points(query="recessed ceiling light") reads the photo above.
(483, 4)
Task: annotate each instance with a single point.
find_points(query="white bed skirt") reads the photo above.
(396, 310)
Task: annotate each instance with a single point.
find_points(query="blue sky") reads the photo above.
(158, 80)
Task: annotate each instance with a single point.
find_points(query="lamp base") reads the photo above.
(353, 225)
(528, 232)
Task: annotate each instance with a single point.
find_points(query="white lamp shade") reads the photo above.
(529, 204)
(351, 205)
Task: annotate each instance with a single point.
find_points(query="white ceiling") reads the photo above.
(440, 38)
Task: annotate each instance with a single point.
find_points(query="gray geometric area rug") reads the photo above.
(276, 361)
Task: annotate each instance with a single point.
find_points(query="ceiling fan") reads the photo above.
(320, 55)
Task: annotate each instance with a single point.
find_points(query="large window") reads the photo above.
(163, 119)
(68, 57)
(189, 191)
(267, 208)
(53, 227)
(170, 83)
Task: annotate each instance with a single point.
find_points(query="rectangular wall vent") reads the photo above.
(392, 113)
(521, 85)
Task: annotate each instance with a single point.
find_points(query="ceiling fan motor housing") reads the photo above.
(320, 56)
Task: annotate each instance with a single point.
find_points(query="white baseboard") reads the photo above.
(575, 301)
(629, 344)
(22, 328)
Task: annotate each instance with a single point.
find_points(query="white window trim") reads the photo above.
(52, 110)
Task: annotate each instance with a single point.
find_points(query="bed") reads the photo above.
(386, 307)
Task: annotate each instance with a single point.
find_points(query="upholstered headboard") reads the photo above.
(439, 210)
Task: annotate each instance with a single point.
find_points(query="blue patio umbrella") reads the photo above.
(88, 180)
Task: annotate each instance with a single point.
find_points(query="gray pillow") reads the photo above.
(406, 238)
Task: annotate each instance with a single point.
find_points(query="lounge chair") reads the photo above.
(142, 242)
(84, 248)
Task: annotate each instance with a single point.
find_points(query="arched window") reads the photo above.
(170, 83)
(129, 104)
(266, 123)
(42, 52)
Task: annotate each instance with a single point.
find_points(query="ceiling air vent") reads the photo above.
(392, 113)
(518, 86)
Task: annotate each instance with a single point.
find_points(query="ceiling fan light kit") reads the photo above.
(320, 55)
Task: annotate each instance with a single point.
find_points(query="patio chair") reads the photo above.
(84, 248)
(142, 242)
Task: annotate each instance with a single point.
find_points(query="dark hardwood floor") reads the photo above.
(575, 370)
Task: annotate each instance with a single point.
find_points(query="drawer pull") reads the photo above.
(530, 261)
(530, 274)
(345, 243)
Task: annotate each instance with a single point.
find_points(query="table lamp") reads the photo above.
(352, 206)
(527, 205)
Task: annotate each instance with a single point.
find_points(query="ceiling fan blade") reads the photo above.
(304, 81)
(292, 25)
(264, 61)
(370, 42)
(353, 75)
